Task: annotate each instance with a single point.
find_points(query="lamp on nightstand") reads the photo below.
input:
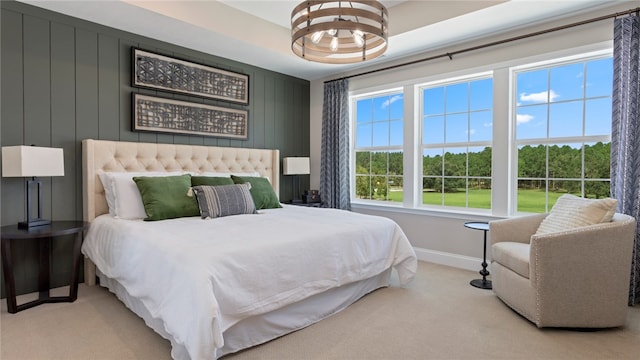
(296, 166)
(32, 162)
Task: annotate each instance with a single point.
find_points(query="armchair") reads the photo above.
(575, 278)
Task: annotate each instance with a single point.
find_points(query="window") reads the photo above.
(563, 132)
(378, 146)
(456, 143)
(502, 139)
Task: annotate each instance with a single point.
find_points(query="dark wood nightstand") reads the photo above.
(44, 234)
(304, 204)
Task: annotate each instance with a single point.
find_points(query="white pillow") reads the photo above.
(122, 194)
(571, 211)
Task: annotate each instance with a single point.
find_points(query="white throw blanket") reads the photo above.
(200, 277)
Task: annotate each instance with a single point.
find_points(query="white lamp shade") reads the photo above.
(295, 166)
(32, 161)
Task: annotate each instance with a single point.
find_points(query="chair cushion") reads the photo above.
(571, 211)
(512, 255)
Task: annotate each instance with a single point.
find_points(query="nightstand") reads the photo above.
(304, 204)
(43, 234)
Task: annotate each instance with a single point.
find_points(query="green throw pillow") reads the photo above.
(210, 180)
(166, 197)
(263, 195)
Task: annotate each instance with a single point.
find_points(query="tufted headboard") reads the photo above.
(123, 156)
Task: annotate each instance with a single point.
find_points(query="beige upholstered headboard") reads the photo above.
(123, 156)
(120, 156)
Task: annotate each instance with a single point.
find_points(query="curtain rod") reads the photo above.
(494, 43)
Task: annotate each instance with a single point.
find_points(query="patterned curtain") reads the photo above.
(625, 132)
(334, 161)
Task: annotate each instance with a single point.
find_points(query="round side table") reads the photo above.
(43, 234)
(481, 283)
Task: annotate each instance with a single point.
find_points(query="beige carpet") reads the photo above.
(439, 316)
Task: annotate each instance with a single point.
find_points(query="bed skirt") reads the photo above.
(259, 329)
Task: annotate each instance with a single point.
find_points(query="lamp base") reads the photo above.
(37, 220)
(33, 223)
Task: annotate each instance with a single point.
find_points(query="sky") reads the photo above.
(547, 100)
(564, 87)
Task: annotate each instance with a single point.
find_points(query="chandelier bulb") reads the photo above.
(317, 36)
(334, 44)
(358, 38)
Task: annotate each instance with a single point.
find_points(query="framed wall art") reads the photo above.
(157, 114)
(161, 72)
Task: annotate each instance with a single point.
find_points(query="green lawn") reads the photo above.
(528, 200)
(533, 200)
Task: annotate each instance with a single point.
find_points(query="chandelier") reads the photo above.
(339, 32)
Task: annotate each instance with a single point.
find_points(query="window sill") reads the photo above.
(462, 214)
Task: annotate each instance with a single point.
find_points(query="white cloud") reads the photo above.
(490, 124)
(539, 97)
(471, 131)
(391, 101)
(523, 118)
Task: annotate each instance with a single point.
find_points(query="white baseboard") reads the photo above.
(450, 259)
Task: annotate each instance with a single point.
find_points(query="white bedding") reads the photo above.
(200, 277)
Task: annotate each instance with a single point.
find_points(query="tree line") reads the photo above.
(377, 172)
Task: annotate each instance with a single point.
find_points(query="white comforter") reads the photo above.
(199, 277)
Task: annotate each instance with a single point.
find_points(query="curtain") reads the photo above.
(334, 160)
(625, 132)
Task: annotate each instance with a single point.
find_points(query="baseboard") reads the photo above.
(450, 259)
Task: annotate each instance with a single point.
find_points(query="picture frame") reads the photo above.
(156, 114)
(159, 72)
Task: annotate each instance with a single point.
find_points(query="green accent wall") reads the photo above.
(65, 79)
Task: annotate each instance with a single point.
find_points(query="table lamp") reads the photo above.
(32, 162)
(296, 166)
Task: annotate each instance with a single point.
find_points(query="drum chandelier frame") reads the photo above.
(339, 32)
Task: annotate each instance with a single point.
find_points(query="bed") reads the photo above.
(217, 286)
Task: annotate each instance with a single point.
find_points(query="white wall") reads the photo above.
(441, 237)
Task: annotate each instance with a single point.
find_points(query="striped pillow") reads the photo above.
(224, 200)
(571, 211)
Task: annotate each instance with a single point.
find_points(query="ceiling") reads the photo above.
(258, 32)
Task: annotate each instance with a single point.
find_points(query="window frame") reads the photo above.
(504, 150)
(353, 149)
(419, 118)
(515, 143)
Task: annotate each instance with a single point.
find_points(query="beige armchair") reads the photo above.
(576, 278)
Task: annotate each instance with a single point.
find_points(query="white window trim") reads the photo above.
(513, 99)
(419, 119)
(504, 148)
(353, 99)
